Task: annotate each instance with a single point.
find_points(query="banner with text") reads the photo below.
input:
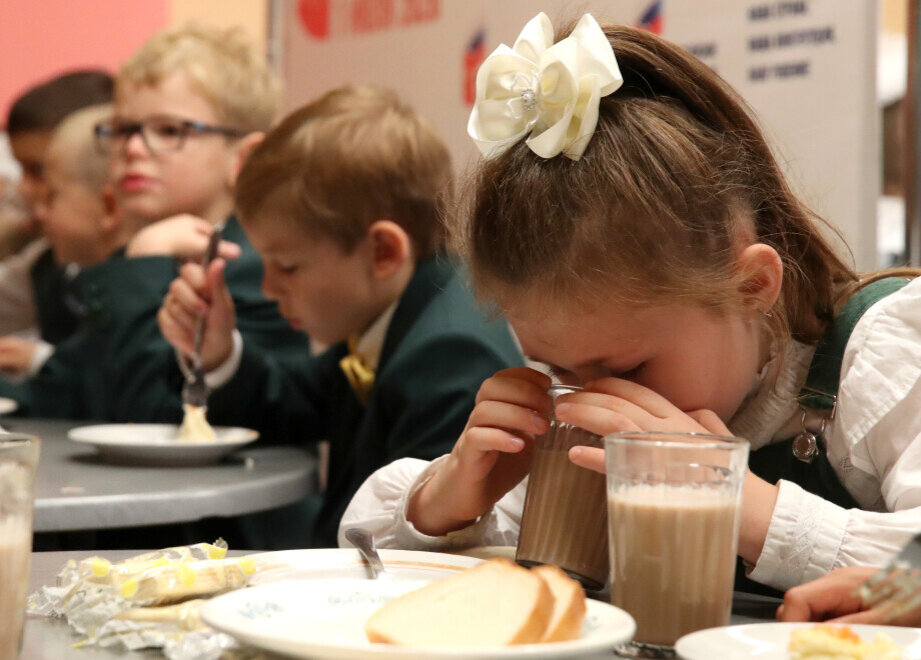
(807, 68)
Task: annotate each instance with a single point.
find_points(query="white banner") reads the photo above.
(807, 68)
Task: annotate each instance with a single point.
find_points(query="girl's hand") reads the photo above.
(610, 405)
(831, 597)
(197, 294)
(492, 455)
(182, 237)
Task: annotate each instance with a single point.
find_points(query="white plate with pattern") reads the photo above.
(158, 444)
(769, 641)
(324, 619)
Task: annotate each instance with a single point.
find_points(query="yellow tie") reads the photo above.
(359, 375)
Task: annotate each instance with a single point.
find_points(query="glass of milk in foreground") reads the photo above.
(18, 460)
(674, 503)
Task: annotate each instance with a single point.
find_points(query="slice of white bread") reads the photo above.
(569, 604)
(496, 603)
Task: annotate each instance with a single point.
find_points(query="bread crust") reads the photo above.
(569, 602)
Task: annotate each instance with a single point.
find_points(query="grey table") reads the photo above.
(51, 639)
(74, 490)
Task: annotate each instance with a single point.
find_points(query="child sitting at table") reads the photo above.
(646, 245)
(36, 311)
(343, 200)
(188, 106)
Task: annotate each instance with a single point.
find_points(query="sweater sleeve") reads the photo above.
(380, 506)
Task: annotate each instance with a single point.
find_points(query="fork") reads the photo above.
(897, 586)
(194, 390)
(363, 541)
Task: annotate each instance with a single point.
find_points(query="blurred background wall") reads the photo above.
(826, 77)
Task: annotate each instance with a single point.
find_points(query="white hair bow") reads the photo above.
(551, 91)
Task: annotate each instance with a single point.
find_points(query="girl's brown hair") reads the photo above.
(676, 178)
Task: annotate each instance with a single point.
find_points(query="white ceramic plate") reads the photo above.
(334, 563)
(325, 619)
(769, 641)
(7, 406)
(158, 444)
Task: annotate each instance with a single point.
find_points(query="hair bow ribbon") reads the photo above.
(550, 91)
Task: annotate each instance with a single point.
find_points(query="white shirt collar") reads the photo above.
(371, 342)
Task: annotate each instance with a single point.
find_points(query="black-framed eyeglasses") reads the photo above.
(160, 134)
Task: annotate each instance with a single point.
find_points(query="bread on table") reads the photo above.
(568, 607)
(496, 603)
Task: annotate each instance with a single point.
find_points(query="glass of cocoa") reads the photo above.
(674, 503)
(564, 521)
(18, 460)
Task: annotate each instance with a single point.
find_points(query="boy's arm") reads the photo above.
(284, 398)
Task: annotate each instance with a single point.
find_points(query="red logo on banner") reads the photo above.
(651, 19)
(474, 55)
(314, 15)
(325, 19)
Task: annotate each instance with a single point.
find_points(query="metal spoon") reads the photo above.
(364, 543)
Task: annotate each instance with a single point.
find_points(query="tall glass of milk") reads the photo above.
(18, 460)
(674, 502)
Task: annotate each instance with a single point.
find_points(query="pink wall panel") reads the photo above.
(41, 39)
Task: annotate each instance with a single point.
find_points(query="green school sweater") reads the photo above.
(117, 366)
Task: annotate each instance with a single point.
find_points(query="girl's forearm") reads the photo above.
(758, 500)
(428, 511)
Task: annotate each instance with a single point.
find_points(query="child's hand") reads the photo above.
(831, 597)
(197, 294)
(182, 237)
(16, 355)
(491, 456)
(611, 405)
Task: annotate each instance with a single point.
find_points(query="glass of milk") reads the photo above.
(18, 460)
(564, 521)
(674, 502)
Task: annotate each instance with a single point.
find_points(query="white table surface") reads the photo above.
(75, 490)
(51, 639)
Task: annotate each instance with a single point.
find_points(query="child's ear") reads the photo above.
(111, 216)
(761, 272)
(391, 247)
(245, 147)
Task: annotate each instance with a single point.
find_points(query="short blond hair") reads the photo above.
(73, 148)
(349, 158)
(220, 65)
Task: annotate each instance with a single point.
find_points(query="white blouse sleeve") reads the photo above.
(874, 446)
(380, 507)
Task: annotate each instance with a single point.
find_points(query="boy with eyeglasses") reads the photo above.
(188, 107)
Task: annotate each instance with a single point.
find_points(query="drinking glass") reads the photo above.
(674, 503)
(564, 517)
(18, 460)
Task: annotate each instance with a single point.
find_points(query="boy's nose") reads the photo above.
(40, 212)
(135, 146)
(269, 288)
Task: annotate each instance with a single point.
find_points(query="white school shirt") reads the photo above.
(873, 445)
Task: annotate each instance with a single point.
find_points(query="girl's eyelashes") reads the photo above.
(287, 270)
(630, 374)
(559, 372)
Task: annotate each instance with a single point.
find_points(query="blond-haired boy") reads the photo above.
(188, 105)
(344, 200)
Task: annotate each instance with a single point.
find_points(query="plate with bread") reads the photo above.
(495, 609)
(802, 641)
